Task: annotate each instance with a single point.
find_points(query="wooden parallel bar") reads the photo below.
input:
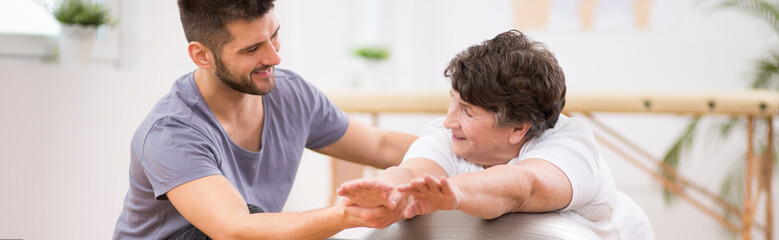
(391, 102)
(747, 102)
(747, 212)
(765, 181)
(751, 102)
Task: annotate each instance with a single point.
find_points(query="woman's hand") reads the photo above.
(370, 192)
(429, 194)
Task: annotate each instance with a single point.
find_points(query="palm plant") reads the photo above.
(766, 76)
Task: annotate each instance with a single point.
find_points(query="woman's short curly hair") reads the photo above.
(514, 77)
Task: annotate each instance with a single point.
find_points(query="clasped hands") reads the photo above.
(420, 196)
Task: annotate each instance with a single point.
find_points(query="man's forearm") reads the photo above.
(314, 224)
(396, 175)
(393, 146)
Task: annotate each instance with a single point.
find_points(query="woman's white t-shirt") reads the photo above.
(570, 145)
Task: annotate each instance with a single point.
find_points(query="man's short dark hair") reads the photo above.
(205, 21)
(514, 77)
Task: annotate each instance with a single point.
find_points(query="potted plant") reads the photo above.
(372, 64)
(79, 21)
(374, 53)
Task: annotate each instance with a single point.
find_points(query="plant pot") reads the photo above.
(75, 44)
(371, 75)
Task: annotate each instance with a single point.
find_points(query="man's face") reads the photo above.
(474, 135)
(246, 63)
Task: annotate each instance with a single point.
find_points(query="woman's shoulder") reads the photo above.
(566, 124)
(435, 128)
(571, 130)
(568, 133)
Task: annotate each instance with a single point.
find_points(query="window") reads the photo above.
(28, 33)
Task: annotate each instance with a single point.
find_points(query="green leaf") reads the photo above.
(727, 127)
(82, 12)
(767, 73)
(372, 52)
(674, 154)
(758, 8)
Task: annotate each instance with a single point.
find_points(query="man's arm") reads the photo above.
(215, 207)
(368, 145)
(533, 185)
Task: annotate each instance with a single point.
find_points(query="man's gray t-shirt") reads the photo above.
(181, 140)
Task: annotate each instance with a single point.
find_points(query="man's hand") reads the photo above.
(429, 194)
(374, 217)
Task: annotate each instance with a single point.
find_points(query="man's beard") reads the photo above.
(244, 83)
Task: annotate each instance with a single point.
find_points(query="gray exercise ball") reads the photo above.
(458, 225)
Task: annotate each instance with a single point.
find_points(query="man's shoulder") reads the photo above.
(174, 107)
(166, 126)
(179, 108)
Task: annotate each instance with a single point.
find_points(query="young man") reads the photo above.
(231, 134)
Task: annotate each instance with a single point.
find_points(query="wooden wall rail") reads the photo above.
(747, 102)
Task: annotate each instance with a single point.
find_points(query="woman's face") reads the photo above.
(475, 136)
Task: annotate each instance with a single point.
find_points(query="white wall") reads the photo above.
(67, 130)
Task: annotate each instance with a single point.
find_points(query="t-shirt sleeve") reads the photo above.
(434, 144)
(175, 153)
(573, 150)
(328, 123)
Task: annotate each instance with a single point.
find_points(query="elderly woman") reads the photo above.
(505, 147)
